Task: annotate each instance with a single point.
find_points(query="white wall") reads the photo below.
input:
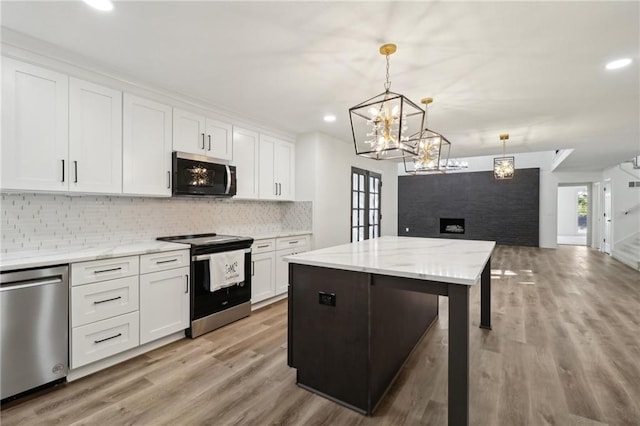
(568, 209)
(323, 173)
(623, 198)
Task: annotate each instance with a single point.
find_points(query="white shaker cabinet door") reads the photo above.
(95, 138)
(268, 187)
(188, 132)
(35, 128)
(219, 140)
(146, 155)
(245, 157)
(263, 277)
(284, 170)
(282, 271)
(164, 303)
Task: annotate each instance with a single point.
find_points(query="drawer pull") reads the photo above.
(108, 270)
(107, 300)
(107, 338)
(294, 242)
(166, 261)
(263, 246)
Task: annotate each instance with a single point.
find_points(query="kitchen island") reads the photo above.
(356, 311)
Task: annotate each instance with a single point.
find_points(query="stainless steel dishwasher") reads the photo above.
(34, 315)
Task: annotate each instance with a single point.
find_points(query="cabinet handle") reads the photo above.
(62, 170)
(279, 189)
(202, 140)
(186, 287)
(106, 300)
(294, 242)
(168, 180)
(252, 270)
(209, 142)
(75, 168)
(166, 261)
(263, 246)
(107, 338)
(276, 190)
(108, 270)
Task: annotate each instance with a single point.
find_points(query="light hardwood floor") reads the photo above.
(564, 350)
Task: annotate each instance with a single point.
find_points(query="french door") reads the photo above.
(366, 212)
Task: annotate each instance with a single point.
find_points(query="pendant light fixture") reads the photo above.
(433, 149)
(504, 167)
(382, 125)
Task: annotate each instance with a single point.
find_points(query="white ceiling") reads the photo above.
(531, 69)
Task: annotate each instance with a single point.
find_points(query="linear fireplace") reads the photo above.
(451, 226)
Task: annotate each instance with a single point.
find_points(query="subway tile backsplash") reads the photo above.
(49, 222)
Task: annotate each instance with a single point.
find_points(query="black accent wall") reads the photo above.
(505, 211)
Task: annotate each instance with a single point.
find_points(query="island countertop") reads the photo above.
(437, 259)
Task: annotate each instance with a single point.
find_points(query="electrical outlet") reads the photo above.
(328, 299)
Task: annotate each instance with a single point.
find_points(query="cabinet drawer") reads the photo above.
(163, 261)
(92, 342)
(98, 301)
(262, 246)
(291, 242)
(101, 270)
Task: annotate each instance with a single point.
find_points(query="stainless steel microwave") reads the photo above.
(201, 176)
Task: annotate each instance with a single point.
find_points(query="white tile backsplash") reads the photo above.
(47, 221)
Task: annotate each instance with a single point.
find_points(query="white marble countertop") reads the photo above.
(37, 258)
(436, 259)
(278, 234)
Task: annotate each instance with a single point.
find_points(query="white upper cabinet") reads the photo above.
(285, 170)
(95, 138)
(219, 139)
(245, 157)
(35, 128)
(277, 162)
(188, 132)
(197, 134)
(146, 147)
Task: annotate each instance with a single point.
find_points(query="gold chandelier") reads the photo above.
(381, 126)
(504, 167)
(432, 153)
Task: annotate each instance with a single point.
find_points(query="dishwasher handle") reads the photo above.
(19, 285)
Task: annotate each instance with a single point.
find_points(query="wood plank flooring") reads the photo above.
(564, 350)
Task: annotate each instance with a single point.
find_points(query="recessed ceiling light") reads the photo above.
(618, 63)
(329, 118)
(103, 5)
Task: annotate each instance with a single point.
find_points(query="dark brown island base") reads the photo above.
(356, 312)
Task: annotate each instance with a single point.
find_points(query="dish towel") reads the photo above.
(226, 269)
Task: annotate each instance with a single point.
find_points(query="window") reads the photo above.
(365, 204)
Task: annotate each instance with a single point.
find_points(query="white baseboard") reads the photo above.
(268, 301)
(626, 259)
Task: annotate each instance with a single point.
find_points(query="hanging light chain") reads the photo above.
(387, 85)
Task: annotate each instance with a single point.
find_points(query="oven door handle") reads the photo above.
(208, 256)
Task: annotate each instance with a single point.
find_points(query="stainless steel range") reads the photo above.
(220, 280)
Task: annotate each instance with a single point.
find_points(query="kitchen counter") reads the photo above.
(436, 259)
(37, 258)
(356, 311)
(278, 234)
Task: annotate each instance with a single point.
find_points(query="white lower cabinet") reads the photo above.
(115, 306)
(264, 276)
(164, 303)
(270, 272)
(101, 339)
(95, 302)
